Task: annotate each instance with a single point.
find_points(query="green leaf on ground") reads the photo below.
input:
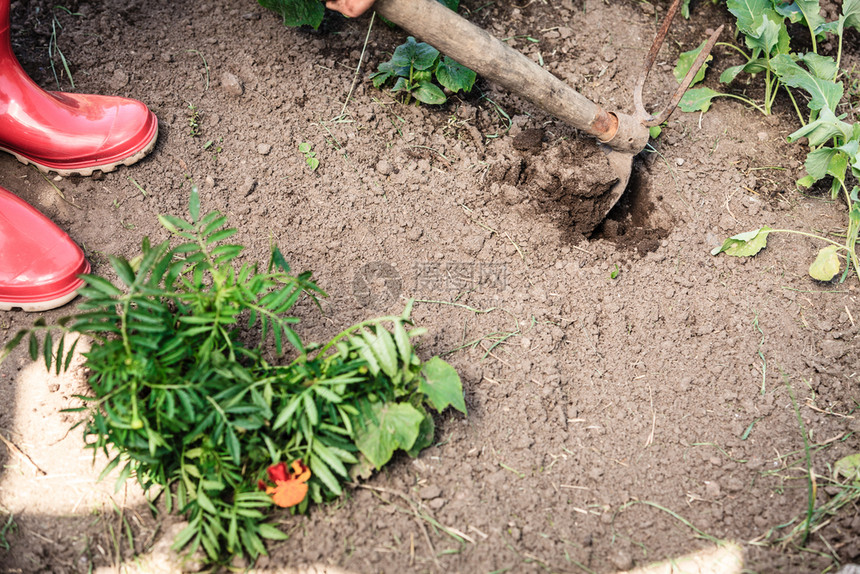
(429, 93)
(826, 265)
(848, 467)
(698, 100)
(441, 384)
(729, 74)
(744, 244)
(686, 61)
(454, 75)
(385, 428)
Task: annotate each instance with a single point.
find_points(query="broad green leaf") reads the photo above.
(826, 264)
(685, 62)
(429, 93)
(766, 33)
(808, 11)
(824, 93)
(729, 74)
(823, 67)
(385, 71)
(851, 14)
(805, 181)
(441, 384)
(426, 432)
(837, 166)
(685, 9)
(417, 55)
(387, 427)
(746, 12)
(818, 162)
(820, 131)
(455, 76)
(297, 12)
(698, 99)
(401, 85)
(848, 467)
(311, 409)
(744, 244)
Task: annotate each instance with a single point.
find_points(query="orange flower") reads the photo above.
(290, 487)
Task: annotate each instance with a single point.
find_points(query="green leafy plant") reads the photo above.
(193, 121)
(192, 396)
(297, 12)
(413, 69)
(310, 155)
(834, 143)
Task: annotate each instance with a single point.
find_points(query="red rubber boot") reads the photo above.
(67, 133)
(39, 263)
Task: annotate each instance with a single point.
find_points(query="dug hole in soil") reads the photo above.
(611, 374)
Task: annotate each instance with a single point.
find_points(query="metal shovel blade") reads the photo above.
(475, 48)
(621, 164)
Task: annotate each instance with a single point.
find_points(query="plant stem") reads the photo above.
(747, 101)
(726, 44)
(796, 108)
(810, 235)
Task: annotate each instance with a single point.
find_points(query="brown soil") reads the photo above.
(591, 399)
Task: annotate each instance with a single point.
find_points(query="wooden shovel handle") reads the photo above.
(475, 48)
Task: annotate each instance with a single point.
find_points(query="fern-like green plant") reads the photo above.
(187, 399)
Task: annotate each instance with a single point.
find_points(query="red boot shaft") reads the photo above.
(63, 132)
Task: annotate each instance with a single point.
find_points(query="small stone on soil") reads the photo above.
(118, 80)
(231, 84)
(383, 167)
(621, 560)
(472, 245)
(264, 149)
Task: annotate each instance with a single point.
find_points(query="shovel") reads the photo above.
(622, 136)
